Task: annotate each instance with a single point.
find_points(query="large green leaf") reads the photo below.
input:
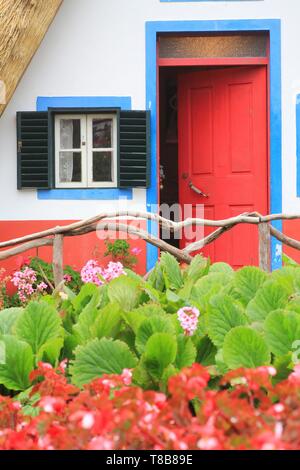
(172, 297)
(186, 352)
(244, 347)
(83, 298)
(8, 318)
(87, 318)
(185, 292)
(217, 278)
(127, 336)
(38, 324)
(18, 363)
(150, 309)
(156, 278)
(142, 377)
(98, 357)
(223, 314)
(136, 277)
(50, 351)
(208, 286)
(133, 320)
(126, 291)
(294, 304)
(108, 322)
(270, 296)
(199, 267)
(70, 343)
(154, 324)
(206, 351)
(229, 289)
(247, 281)
(221, 366)
(282, 329)
(171, 271)
(221, 267)
(288, 277)
(138, 315)
(160, 352)
(152, 293)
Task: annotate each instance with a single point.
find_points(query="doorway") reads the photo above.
(213, 144)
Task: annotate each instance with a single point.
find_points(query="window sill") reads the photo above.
(104, 194)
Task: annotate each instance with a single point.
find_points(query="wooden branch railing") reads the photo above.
(109, 221)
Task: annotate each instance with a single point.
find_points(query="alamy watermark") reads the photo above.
(175, 212)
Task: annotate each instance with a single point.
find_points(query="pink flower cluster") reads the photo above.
(67, 278)
(25, 281)
(188, 318)
(94, 274)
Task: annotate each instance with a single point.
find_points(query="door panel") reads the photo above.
(202, 131)
(240, 127)
(222, 130)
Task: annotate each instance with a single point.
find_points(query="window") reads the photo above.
(85, 150)
(213, 45)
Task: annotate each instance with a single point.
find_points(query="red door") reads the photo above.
(222, 128)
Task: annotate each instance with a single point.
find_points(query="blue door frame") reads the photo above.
(273, 27)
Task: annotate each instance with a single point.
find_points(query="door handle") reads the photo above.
(197, 190)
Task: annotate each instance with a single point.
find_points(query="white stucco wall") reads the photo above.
(97, 48)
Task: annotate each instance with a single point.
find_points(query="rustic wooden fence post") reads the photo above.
(58, 256)
(264, 246)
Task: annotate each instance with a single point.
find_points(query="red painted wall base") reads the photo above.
(77, 250)
(291, 228)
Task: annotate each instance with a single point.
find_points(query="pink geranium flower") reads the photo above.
(188, 318)
(94, 274)
(25, 281)
(67, 278)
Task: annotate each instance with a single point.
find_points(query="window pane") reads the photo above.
(102, 166)
(102, 133)
(70, 134)
(246, 45)
(70, 167)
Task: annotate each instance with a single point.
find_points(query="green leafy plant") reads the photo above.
(28, 335)
(246, 318)
(44, 273)
(119, 250)
(99, 357)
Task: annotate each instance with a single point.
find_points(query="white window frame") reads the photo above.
(82, 149)
(90, 150)
(86, 149)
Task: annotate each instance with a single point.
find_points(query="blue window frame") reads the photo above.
(122, 102)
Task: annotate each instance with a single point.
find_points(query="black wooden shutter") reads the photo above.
(134, 151)
(34, 165)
